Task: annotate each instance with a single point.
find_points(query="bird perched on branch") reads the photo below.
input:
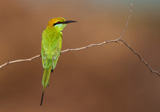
(51, 47)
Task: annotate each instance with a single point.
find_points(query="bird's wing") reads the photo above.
(46, 51)
(51, 48)
(56, 53)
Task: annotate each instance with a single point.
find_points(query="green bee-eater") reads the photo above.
(51, 47)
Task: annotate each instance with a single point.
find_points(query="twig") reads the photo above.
(67, 50)
(140, 58)
(20, 60)
(125, 27)
(92, 45)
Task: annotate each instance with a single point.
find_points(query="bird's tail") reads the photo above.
(45, 80)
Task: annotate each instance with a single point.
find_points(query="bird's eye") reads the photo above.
(57, 23)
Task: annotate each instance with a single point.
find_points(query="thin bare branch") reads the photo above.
(20, 60)
(63, 51)
(92, 45)
(140, 58)
(125, 27)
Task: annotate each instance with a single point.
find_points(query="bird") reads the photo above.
(51, 48)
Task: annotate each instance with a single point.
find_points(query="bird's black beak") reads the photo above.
(69, 21)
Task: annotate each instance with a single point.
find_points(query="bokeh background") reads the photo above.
(108, 78)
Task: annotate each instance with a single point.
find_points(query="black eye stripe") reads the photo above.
(57, 23)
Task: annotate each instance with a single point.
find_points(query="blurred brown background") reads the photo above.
(108, 78)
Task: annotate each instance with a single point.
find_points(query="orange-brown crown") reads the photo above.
(55, 20)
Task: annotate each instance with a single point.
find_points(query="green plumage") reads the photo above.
(50, 52)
